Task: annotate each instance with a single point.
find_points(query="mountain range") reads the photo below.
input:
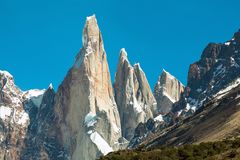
(88, 116)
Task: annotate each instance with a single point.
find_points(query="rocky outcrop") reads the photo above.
(87, 117)
(216, 120)
(133, 95)
(15, 109)
(13, 118)
(167, 91)
(216, 69)
(209, 106)
(40, 140)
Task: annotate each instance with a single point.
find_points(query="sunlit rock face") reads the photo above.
(15, 116)
(167, 91)
(87, 117)
(133, 95)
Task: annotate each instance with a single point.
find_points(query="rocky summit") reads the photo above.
(86, 113)
(133, 95)
(167, 91)
(88, 117)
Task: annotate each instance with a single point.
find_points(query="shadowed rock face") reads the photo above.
(133, 95)
(40, 140)
(209, 106)
(217, 67)
(167, 91)
(85, 109)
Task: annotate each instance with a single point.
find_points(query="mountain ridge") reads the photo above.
(89, 116)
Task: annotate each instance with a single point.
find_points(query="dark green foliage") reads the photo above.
(227, 149)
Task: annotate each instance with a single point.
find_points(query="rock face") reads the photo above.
(133, 95)
(210, 100)
(167, 91)
(217, 68)
(216, 120)
(15, 119)
(40, 140)
(87, 117)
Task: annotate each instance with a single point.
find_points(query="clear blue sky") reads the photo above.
(40, 38)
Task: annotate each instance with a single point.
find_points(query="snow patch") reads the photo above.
(16, 101)
(194, 109)
(90, 119)
(23, 118)
(35, 95)
(227, 43)
(50, 86)
(136, 106)
(187, 107)
(137, 65)
(5, 112)
(159, 118)
(6, 73)
(179, 112)
(90, 132)
(89, 49)
(233, 62)
(91, 17)
(123, 50)
(224, 91)
(193, 104)
(101, 144)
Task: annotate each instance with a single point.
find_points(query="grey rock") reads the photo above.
(167, 91)
(133, 95)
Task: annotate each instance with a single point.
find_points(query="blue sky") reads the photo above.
(39, 39)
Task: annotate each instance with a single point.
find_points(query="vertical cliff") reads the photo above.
(86, 113)
(167, 91)
(133, 95)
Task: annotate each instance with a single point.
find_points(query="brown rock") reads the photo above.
(84, 104)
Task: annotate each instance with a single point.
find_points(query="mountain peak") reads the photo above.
(92, 17)
(138, 67)
(123, 52)
(166, 75)
(133, 95)
(123, 55)
(167, 91)
(88, 97)
(50, 86)
(6, 73)
(91, 31)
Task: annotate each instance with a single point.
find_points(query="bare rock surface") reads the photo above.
(86, 113)
(133, 95)
(167, 91)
